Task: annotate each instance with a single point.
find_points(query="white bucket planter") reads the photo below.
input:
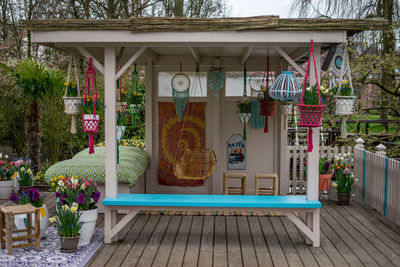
(344, 105)
(20, 221)
(244, 117)
(72, 105)
(286, 108)
(88, 220)
(120, 132)
(6, 188)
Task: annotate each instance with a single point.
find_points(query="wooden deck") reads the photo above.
(350, 236)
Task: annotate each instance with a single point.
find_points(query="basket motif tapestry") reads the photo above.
(193, 136)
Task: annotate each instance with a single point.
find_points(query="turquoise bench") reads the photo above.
(288, 205)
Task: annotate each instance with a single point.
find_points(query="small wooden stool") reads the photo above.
(7, 222)
(235, 190)
(266, 190)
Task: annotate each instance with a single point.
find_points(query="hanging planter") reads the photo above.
(90, 119)
(72, 96)
(286, 108)
(267, 104)
(310, 107)
(244, 108)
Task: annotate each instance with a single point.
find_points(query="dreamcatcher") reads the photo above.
(72, 96)
(180, 92)
(90, 97)
(216, 80)
(135, 97)
(195, 164)
(257, 82)
(267, 106)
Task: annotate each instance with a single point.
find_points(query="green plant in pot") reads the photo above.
(68, 226)
(6, 180)
(325, 174)
(344, 183)
(244, 109)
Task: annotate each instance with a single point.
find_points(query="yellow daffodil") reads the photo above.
(53, 219)
(53, 184)
(65, 207)
(65, 84)
(334, 184)
(74, 209)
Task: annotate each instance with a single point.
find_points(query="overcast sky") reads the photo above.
(248, 8)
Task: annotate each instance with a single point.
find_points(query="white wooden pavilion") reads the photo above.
(168, 44)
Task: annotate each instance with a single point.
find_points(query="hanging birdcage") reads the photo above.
(72, 96)
(310, 113)
(90, 97)
(286, 87)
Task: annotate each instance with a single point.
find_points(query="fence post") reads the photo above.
(360, 143)
(381, 150)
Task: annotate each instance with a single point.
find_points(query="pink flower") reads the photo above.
(87, 184)
(346, 171)
(69, 185)
(12, 163)
(5, 169)
(90, 180)
(18, 164)
(95, 184)
(2, 162)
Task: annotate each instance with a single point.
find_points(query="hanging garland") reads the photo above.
(310, 107)
(216, 80)
(90, 98)
(135, 97)
(72, 96)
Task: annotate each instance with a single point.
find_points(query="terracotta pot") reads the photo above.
(324, 181)
(344, 198)
(69, 244)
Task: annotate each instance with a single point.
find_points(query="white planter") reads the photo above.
(6, 188)
(88, 220)
(244, 117)
(72, 105)
(286, 108)
(120, 132)
(135, 108)
(344, 105)
(20, 221)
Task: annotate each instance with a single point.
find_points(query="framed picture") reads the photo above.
(236, 152)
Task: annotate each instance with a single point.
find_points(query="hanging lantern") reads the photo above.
(135, 97)
(286, 87)
(310, 107)
(72, 96)
(180, 93)
(267, 105)
(216, 80)
(90, 97)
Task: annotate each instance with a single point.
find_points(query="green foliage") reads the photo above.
(122, 119)
(71, 88)
(325, 166)
(345, 89)
(311, 95)
(344, 180)
(244, 106)
(67, 221)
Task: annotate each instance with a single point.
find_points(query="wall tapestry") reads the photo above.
(193, 136)
(236, 152)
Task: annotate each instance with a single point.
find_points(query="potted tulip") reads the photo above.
(68, 226)
(344, 181)
(6, 180)
(325, 174)
(83, 192)
(33, 197)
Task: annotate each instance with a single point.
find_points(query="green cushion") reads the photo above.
(133, 163)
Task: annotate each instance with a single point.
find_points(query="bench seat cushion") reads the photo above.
(231, 201)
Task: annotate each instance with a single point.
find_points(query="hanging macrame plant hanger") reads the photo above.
(244, 117)
(310, 115)
(90, 121)
(72, 103)
(195, 164)
(267, 108)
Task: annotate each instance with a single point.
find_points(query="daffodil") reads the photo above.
(65, 207)
(53, 184)
(53, 219)
(74, 209)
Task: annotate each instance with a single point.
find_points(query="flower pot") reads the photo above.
(344, 198)
(91, 123)
(69, 244)
(6, 188)
(286, 108)
(88, 220)
(120, 132)
(310, 115)
(344, 105)
(121, 106)
(267, 108)
(20, 221)
(324, 181)
(72, 105)
(135, 108)
(244, 117)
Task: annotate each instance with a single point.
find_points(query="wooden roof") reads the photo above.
(168, 24)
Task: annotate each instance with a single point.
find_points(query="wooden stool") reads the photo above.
(266, 190)
(235, 190)
(7, 222)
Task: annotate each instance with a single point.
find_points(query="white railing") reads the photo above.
(378, 182)
(297, 158)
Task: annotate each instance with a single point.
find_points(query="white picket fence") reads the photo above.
(378, 182)
(297, 158)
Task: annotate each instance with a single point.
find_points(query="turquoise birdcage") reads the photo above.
(286, 87)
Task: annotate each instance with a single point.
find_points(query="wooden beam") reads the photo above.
(119, 57)
(245, 54)
(289, 59)
(130, 61)
(195, 53)
(87, 55)
(149, 53)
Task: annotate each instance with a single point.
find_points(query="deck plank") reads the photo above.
(277, 255)
(153, 243)
(136, 250)
(178, 250)
(246, 242)
(162, 256)
(233, 242)
(207, 244)
(260, 246)
(220, 246)
(193, 246)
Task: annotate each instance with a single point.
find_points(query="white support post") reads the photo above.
(149, 104)
(110, 122)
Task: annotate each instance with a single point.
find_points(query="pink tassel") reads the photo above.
(91, 144)
(266, 125)
(310, 144)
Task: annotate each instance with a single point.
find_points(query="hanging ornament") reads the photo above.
(244, 106)
(72, 96)
(267, 105)
(310, 107)
(216, 80)
(90, 97)
(135, 97)
(180, 93)
(286, 87)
